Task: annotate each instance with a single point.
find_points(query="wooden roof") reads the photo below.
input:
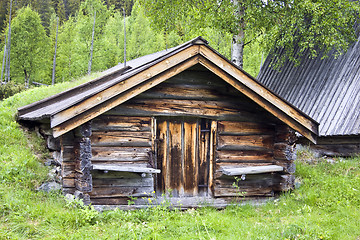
(325, 89)
(78, 105)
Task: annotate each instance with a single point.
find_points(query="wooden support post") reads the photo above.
(83, 177)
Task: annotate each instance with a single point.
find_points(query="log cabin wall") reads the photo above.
(238, 133)
(121, 141)
(243, 144)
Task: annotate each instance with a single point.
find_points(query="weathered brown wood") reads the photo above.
(162, 152)
(263, 141)
(120, 123)
(196, 108)
(121, 153)
(244, 128)
(173, 179)
(190, 162)
(204, 155)
(252, 170)
(66, 121)
(244, 156)
(68, 182)
(121, 138)
(181, 92)
(212, 149)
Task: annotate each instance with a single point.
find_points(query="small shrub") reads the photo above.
(10, 89)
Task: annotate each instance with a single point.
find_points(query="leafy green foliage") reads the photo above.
(316, 26)
(29, 47)
(9, 89)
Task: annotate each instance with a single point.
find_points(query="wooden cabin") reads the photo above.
(183, 124)
(327, 89)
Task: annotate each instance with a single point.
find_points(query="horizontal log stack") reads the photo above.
(237, 134)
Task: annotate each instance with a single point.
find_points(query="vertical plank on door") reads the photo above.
(174, 166)
(190, 167)
(162, 150)
(204, 145)
(213, 142)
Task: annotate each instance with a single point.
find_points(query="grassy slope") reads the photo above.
(326, 206)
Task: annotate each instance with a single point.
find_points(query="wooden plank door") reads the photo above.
(182, 156)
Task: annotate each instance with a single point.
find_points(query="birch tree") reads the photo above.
(316, 25)
(30, 47)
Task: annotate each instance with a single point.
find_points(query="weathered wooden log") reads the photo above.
(244, 128)
(121, 138)
(170, 107)
(68, 182)
(244, 156)
(120, 123)
(263, 141)
(121, 153)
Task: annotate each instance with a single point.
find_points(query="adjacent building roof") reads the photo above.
(78, 105)
(325, 89)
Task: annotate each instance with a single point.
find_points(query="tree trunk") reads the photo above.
(3, 63)
(237, 44)
(54, 62)
(26, 79)
(237, 49)
(7, 69)
(92, 45)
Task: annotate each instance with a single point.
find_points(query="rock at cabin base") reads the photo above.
(49, 186)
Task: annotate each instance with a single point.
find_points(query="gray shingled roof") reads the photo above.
(328, 90)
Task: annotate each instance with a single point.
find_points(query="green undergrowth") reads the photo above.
(326, 205)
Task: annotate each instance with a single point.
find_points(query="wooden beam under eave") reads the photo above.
(124, 85)
(119, 99)
(274, 110)
(260, 90)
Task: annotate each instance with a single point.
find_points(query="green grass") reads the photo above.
(326, 206)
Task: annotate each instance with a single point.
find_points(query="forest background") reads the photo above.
(33, 37)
